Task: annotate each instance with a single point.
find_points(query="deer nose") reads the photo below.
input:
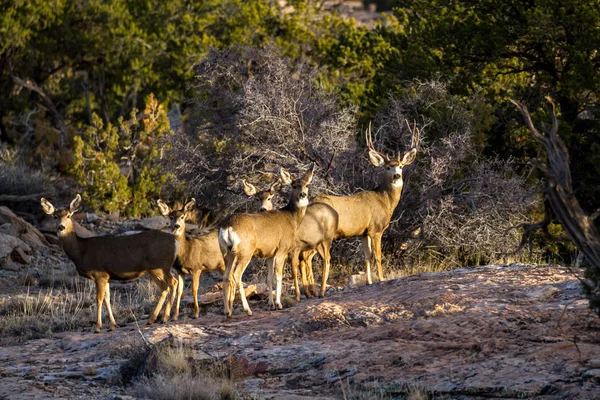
(397, 176)
(263, 209)
(61, 228)
(303, 195)
(177, 226)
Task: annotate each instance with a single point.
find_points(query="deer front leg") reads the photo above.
(100, 293)
(195, 283)
(367, 250)
(279, 263)
(113, 324)
(180, 284)
(326, 255)
(270, 270)
(172, 284)
(377, 250)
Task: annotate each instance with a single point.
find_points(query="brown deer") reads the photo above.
(125, 258)
(368, 213)
(264, 198)
(195, 254)
(315, 234)
(270, 235)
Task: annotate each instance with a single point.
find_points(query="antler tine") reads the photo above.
(370, 143)
(415, 134)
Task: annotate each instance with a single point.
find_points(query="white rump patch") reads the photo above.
(228, 239)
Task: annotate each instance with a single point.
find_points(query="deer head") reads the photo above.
(264, 198)
(65, 225)
(393, 166)
(299, 195)
(177, 217)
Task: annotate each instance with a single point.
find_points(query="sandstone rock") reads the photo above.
(156, 222)
(8, 243)
(20, 256)
(27, 232)
(9, 229)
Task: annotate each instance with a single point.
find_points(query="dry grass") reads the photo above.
(171, 372)
(444, 309)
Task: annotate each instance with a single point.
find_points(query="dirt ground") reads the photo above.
(512, 331)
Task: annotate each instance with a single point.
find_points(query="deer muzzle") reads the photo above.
(61, 228)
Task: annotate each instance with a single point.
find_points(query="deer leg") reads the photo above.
(270, 270)
(240, 284)
(228, 284)
(310, 277)
(279, 264)
(303, 275)
(367, 249)
(195, 284)
(172, 283)
(326, 255)
(377, 250)
(164, 290)
(100, 293)
(295, 256)
(113, 324)
(180, 284)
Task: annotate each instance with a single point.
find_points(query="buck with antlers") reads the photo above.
(125, 258)
(368, 213)
(194, 255)
(315, 234)
(270, 235)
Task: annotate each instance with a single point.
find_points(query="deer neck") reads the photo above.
(296, 213)
(70, 244)
(183, 243)
(390, 193)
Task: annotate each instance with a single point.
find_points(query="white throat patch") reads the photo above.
(303, 202)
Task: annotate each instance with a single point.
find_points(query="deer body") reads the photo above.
(126, 258)
(270, 235)
(368, 213)
(195, 254)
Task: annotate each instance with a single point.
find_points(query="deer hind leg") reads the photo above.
(295, 257)
(377, 251)
(180, 284)
(113, 324)
(238, 278)
(368, 251)
(311, 290)
(279, 264)
(163, 286)
(195, 284)
(325, 252)
(172, 283)
(100, 293)
(228, 283)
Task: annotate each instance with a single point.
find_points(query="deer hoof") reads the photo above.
(249, 312)
(97, 330)
(112, 327)
(279, 306)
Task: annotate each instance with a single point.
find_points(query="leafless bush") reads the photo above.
(253, 112)
(456, 201)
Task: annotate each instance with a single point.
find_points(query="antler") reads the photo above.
(369, 140)
(415, 133)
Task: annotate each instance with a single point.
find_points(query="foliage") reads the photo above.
(257, 111)
(456, 201)
(20, 180)
(118, 165)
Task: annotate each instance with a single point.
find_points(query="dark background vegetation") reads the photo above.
(130, 100)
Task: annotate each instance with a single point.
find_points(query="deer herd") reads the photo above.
(297, 231)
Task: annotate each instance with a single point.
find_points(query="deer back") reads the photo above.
(320, 223)
(201, 253)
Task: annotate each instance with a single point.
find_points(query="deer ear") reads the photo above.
(249, 188)
(307, 178)
(190, 205)
(286, 178)
(47, 206)
(409, 157)
(275, 187)
(75, 204)
(376, 158)
(163, 208)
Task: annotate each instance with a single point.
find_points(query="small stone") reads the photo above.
(12, 266)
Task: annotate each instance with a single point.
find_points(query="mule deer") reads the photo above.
(195, 254)
(101, 258)
(315, 234)
(270, 235)
(368, 213)
(264, 197)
